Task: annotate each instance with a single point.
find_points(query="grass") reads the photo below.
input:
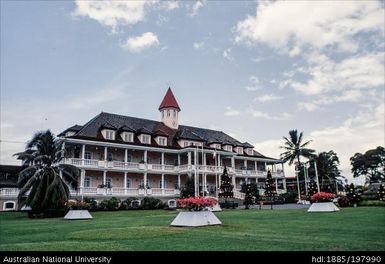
(350, 229)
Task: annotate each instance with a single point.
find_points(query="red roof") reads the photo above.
(169, 101)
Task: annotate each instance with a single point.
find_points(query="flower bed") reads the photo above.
(196, 203)
(320, 197)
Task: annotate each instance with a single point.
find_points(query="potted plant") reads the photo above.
(195, 212)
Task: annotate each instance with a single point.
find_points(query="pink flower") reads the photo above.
(196, 203)
(322, 197)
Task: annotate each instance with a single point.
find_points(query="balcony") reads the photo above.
(120, 191)
(9, 192)
(165, 168)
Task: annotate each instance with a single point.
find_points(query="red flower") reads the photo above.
(322, 197)
(196, 203)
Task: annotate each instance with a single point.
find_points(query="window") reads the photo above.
(175, 113)
(129, 158)
(249, 151)
(228, 148)
(9, 205)
(239, 150)
(87, 181)
(110, 157)
(162, 114)
(110, 134)
(168, 112)
(109, 182)
(128, 137)
(145, 139)
(87, 155)
(162, 141)
(128, 184)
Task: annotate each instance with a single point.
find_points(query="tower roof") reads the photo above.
(169, 101)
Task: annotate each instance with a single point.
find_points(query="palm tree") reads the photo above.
(327, 167)
(296, 149)
(44, 177)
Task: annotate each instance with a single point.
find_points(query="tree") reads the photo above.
(270, 190)
(249, 197)
(381, 192)
(312, 189)
(188, 189)
(371, 164)
(295, 149)
(226, 188)
(327, 168)
(47, 187)
(353, 195)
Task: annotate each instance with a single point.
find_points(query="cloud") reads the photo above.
(263, 115)
(291, 26)
(170, 5)
(139, 43)
(359, 133)
(198, 45)
(113, 13)
(232, 112)
(267, 98)
(252, 88)
(227, 54)
(254, 79)
(357, 72)
(308, 106)
(196, 7)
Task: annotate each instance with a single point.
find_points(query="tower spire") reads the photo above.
(169, 109)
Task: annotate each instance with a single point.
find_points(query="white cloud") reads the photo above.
(227, 54)
(196, 7)
(113, 13)
(254, 79)
(170, 5)
(252, 88)
(308, 106)
(139, 43)
(290, 26)
(258, 114)
(267, 98)
(198, 45)
(357, 72)
(232, 112)
(357, 134)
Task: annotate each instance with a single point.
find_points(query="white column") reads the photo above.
(145, 156)
(189, 158)
(204, 189)
(179, 181)
(82, 176)
(104, 177)
(219, 160)
(276, 185)
(83, 153)
(125, 155)
(105, 157)
(204, 160)
(316, 175)
(234, 181)
(196, 186)
(245, 164)
(233, 162)
(145, 181)
(284, 184)
(162, 160)
(255, 165)
(125, 183)
(283, 170)
(162, 183)
(178, 159)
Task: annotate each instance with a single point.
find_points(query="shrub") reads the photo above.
(322, 197)
(113, 204)
(103, 205)
(126, 204)
(196, 203)
(92, 203)
(372, 203)
(77, 205)
(343, 201)
(152, 203)
(289, 197)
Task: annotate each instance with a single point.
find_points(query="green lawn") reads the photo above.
(361, 228)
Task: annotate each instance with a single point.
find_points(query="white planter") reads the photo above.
(323, 207)
(195, 218)
(78, 214)
(141, 191)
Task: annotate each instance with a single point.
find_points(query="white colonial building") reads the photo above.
(125, 156)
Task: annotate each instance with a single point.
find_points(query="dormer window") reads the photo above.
(109, 134)
(162, 141)
(128, 137)
(239, 150)
(70, 133)
(216, 146)
(228, 148)
(249, 151)
(145, 139)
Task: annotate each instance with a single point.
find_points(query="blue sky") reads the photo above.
(252, 69)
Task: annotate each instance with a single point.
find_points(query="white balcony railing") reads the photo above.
(9, 192)
(133, 166)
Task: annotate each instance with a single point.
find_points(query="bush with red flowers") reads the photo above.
(320, 197)
(196, 203)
